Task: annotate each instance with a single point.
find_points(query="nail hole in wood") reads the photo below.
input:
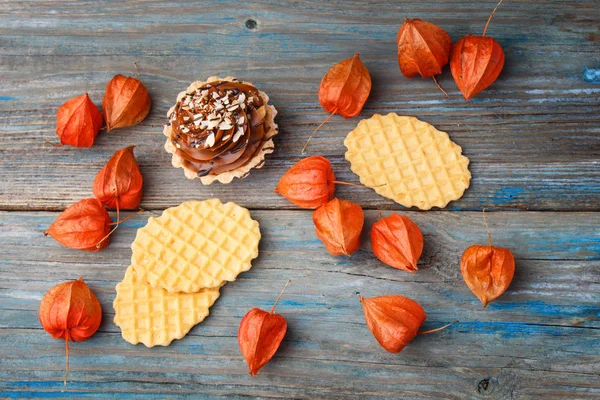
(251, 24)
(487, 385)
(483, 385)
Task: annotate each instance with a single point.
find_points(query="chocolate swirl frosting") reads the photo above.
(219, 126)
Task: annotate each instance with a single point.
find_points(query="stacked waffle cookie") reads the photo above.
(180, 261)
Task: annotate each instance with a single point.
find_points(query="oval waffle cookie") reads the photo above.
(155, 317)
(196, 245)
(408, 161)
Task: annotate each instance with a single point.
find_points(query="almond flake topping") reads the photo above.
(225, 125)
(238, 134)
(210, 140)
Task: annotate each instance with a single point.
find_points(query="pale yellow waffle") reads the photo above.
(408, 161)
(155, 317)
(196, 245)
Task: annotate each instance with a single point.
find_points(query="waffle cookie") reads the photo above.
(408, 161)
(196, 245)
(155, 317)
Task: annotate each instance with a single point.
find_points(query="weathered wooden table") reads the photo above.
(533, 139)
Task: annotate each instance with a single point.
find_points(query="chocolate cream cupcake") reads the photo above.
(220, 129)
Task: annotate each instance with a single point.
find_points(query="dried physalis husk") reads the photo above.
(260, 335)
(345, 87)
(78, 122)
(395, 320)
(126, 102)
(344, 90)
(338, 224)
(476, 62)
(423, 49)
(82, 226)
(119, 184)
(70, 311)
(397, 241)
(487, 270)
(310, 183)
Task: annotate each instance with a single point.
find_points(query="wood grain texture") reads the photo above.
(541, 339)
(533, 139)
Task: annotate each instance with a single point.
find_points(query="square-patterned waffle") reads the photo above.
(408, 161)
(196, 245)
(155, 317)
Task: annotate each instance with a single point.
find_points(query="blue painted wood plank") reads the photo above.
(541, 337)
(532, 137)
